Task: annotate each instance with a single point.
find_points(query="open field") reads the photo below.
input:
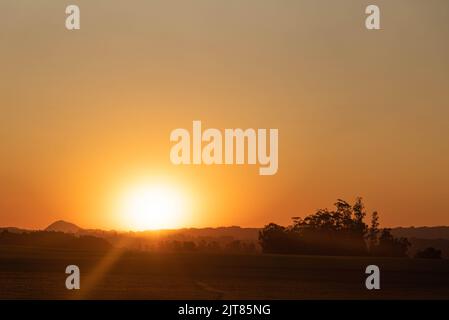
(32, 273)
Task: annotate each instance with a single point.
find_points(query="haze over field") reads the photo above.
(233, 239)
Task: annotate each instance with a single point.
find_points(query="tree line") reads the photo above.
(341, 231)
(53, 240)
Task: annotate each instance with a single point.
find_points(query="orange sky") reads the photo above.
(87, 114)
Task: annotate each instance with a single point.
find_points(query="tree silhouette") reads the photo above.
(373, 232)
(341, 231)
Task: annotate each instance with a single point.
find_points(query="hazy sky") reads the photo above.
(87, 114)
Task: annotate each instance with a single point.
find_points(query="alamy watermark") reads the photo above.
(72, 22)
(213, 146)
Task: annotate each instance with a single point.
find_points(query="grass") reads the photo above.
(32, 273)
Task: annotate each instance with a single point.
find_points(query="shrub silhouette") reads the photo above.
(428, 253)
(389, 246)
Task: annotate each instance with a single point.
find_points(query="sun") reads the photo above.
(152, 207)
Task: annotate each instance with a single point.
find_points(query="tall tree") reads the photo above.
(373, 230)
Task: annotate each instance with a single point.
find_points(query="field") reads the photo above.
(30, 273)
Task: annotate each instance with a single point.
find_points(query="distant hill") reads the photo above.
(424, 237)
(253, 233)
(63, 226)
(441, 232)
(234, 232)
